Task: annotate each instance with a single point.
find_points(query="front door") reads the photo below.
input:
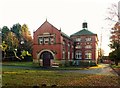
(46, 56)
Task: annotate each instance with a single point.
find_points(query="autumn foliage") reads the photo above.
(115, 43)
(17, 41)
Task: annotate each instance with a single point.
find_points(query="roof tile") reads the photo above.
(83, 32)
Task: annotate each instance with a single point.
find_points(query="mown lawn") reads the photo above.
(31, 64)
(28, 64)
(116, 68)
(19, 77)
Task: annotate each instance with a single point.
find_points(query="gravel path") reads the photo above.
(102, 69)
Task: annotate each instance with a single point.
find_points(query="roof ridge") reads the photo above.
(84, 32)
(46, 21)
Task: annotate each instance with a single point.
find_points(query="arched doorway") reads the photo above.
(46, 57)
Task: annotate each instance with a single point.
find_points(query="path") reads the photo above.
(102, 69)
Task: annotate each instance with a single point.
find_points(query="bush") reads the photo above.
(67, 64)
(82, 63)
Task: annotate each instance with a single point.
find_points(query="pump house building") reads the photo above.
(51, 46)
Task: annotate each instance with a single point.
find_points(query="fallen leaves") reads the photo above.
(39, 77)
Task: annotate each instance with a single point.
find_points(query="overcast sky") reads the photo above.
(65, 14)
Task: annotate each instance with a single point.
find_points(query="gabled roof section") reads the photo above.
(46, 22)
(62, 33)
(65, 35)
(83, 32)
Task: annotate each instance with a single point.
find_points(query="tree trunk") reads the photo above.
(4, 55)
(116, 62)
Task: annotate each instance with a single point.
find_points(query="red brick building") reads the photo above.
(51, 45)
(86, 45)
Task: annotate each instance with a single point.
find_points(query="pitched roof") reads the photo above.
(83, 32)
(62, 33)
(65, 35)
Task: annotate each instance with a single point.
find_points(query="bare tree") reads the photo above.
(115, 33)
(113, 13)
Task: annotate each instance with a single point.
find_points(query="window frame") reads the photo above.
(88, 55)
(78, 55)
(88, 39)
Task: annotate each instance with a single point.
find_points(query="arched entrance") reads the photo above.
(46, 57)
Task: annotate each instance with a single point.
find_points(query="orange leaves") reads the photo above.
(26, 33)
(12, 39)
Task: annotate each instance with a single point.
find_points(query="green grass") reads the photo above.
(114, 66)
(20, 77)
(28, 64)
(31, 64)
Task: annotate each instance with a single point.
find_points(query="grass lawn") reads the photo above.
(21, 77)
(28, 64)
(116, 68)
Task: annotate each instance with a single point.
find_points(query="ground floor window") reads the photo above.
(88, 55)
(68, 55)
(78, 55)
(63, 54)
(72, 55)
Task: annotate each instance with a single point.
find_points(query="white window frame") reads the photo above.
(40, 40)
(88, 39)
(51, 40)
(46, 39)
(63, 54)
(78, 55)
(88, 55)
(88, 46)
(78, 46)
(72, 55)
(68, 55)
(78, 39)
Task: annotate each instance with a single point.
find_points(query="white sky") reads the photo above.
(65, 14)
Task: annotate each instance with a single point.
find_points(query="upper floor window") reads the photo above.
(88, 39)
(78, 39)
(78, 46)
(64, 43)
(52, 40)
(68, 47)
(40, 40)
(46, 39)
(72, 46)
(88, 46)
